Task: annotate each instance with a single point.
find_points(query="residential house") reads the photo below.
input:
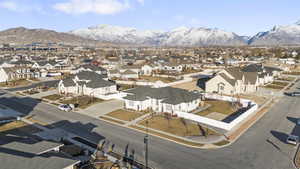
(161, 100)
(174, 67)
(147, 70)
(233, 81)
(15, 73)
(237, 80)
(48, 65)
(129, 74)
(91, 68)
(87, 83)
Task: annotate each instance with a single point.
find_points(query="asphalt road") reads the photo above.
(261, 147)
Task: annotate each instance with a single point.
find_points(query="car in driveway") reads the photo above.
(65, 107)
(292, 139)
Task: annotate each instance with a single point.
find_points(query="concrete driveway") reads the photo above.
(103, 108)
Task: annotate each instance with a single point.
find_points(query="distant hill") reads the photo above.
(23, 35)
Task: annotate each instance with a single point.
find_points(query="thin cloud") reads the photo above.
(104, 7)
(141, 2)
(20, 6)
(10, 5)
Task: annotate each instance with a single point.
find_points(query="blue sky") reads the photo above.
(245, 17)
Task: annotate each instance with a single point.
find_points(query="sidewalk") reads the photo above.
(135, 121)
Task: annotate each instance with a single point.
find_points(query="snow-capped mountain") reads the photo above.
(181, 36)
(279, 35)
(117, 34)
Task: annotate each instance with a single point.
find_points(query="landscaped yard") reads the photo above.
(277, 85)
(122, 87)
(124, 115)
(154, 79)
(292, 73)
(15, 83)
(31, 92)
(286, 78)
(82, 101)
(53, 97)
(218, 106)
(177, 126)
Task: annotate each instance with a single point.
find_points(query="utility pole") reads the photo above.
(146, 145)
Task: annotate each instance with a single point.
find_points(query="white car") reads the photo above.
(298, 121)
(65, 107)
(292, 139)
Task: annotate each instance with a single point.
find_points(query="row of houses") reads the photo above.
(238, 80)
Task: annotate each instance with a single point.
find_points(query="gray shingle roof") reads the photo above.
(25, 152)
(169, 95)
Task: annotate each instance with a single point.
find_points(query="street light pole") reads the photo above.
(146, 145)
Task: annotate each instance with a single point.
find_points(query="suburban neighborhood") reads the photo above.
(141, 84)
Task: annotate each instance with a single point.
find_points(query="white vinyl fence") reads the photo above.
(220, 124)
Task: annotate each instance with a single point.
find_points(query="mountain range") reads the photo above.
(182, 36)
(21, 35)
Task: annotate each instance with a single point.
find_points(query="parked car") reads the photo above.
(295, 94)
(298, 121)
(65, 107)
(292, 139)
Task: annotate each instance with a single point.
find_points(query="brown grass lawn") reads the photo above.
(53, 97)
(272, 86)
(82, 101)
(280, 83)
(21, 82)
(124, 115)
(292, 73)
(218, 106)
(122, 87)
(168, 137)
(286, 78)
(154, 79)
(175, 126)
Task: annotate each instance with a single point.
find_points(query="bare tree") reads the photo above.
(202, 130)
(167, 117)
(183, 121)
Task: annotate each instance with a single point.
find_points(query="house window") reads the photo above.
(168, 107)
(130, 103)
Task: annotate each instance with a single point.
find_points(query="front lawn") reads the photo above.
(124, 115)
(177, 126)
(82, 101)
(219, 106)
(15, 83)
(53, 97)
(292, 73)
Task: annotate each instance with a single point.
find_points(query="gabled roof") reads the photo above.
(31, 153)
(168, 95)
(92, 67)
(129, 72)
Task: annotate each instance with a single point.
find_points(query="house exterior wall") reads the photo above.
(159, 107)
(3, 76)
(130, 76)
(212, 86)
(147, 70)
